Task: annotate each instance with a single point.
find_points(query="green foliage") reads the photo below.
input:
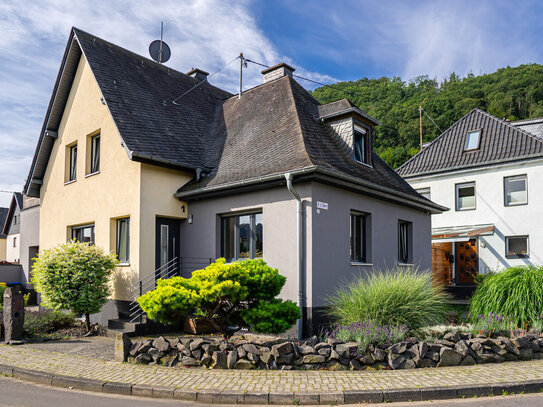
(2, 289)
(395, 297)
(47, 321)
(515, 293)
(512, 93)
(228, 295)
(74, 276)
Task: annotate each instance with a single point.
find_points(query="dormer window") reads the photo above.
(472, 140)
(361, 144)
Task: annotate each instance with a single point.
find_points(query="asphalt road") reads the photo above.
(16, 393)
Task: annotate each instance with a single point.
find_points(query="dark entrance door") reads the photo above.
(467, 262)
(167, 247)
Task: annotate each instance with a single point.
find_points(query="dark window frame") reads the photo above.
(359, 241)
(15, 241)
(76, 229)
(456, 196)
(505, 179)
(252, 237)
(517, 256)
(405, 250)
(95, 143)
(118, 224)
(72, 165)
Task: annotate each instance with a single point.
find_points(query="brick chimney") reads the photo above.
(198, 74)
(277, 71)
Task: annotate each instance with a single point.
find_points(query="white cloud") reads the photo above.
(201, 33)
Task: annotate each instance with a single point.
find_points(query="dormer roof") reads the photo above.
(344, 107)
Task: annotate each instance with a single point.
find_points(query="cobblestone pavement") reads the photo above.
(29, 357)
(98, 347)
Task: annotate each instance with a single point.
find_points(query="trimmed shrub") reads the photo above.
(394, 297)
(515, 293)
(229, 295)
(74, 276)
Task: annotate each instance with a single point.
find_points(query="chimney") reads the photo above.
(277, 71)
(198, 74)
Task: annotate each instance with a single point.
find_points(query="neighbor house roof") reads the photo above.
(16, 204)
(499, 142)
(534, 126)
(3, 216)
(163, 119)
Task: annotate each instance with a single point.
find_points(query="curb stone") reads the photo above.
(233, 397)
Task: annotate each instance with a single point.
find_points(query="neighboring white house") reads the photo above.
(489, 172)
(12, 229)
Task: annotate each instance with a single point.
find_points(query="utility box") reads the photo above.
(14, 314)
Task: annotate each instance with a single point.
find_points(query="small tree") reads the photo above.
(229, 296)
(74, 276)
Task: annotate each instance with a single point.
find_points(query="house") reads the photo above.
(171, 172)
(11, 229)
(3, 237)
(489, 171)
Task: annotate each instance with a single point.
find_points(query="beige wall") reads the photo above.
(3, 249)
(116, 191)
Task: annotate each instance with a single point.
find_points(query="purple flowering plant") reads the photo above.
(492, 324)
(365, 333)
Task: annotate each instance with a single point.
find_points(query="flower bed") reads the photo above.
(454, 349)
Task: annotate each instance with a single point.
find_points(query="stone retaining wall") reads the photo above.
(453, 350)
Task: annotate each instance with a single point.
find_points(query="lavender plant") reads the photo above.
(491, 325)
(366, 333)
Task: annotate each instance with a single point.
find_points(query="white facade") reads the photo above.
(490, 208)
(13, 248)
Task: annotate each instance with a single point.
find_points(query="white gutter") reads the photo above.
(299, 245)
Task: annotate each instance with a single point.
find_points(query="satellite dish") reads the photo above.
(160, 51)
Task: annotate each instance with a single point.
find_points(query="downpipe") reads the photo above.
(299, 246)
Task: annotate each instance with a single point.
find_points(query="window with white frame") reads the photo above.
(465, 196)
(95, 154)
(83, 234)
(404, 242)
(123, 240)
(516, 246)
(472, 140)
(242, 236)
(425, 192)
(361, 144)
(515, 190)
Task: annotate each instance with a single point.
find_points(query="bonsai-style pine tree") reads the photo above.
(74, 276)
(229, 296)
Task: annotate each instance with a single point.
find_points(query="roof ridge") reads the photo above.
(511, 126)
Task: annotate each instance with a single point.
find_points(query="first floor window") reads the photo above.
(404, 241)
(516, 246)
(83, 234)
(465, 196)
(515, 190)
(242, 236)
(123, 240)
(358, 237)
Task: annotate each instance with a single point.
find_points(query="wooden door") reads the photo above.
(442, 263)
(467, 262)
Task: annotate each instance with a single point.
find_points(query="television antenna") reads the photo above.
(158, 49)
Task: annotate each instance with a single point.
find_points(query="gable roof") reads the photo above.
(138, 93)
(276, 128)
(499, 142)
(15, 206)
(3, 216)
(534, 126)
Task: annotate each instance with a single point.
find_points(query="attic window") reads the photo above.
(472, 140)
(360, 144)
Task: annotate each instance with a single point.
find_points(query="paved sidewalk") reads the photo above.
(260, 386)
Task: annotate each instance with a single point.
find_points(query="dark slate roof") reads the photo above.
(19, 199)
(15, 206)
(276, 128)
(3, 217)
(500, 141)
(534, 126)
(343, 107)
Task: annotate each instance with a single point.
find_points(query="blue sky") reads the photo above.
(324, 40)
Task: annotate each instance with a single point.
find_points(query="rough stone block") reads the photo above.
(122, 347)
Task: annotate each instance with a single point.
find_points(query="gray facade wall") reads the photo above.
(29, 225)
(15, 225)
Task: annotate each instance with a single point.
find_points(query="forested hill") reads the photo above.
(512, 93)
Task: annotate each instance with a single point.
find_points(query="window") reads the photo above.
(14, 242)
(15, 220)
(472, 140)
(72, 163)
(95, 154)
(515, 190)
(425, 192)
(83, 234)
(359, 238)
(404, 242)
(123, 240)
(361, 144)
(242, 236)
(516, 246)
(465, 196)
